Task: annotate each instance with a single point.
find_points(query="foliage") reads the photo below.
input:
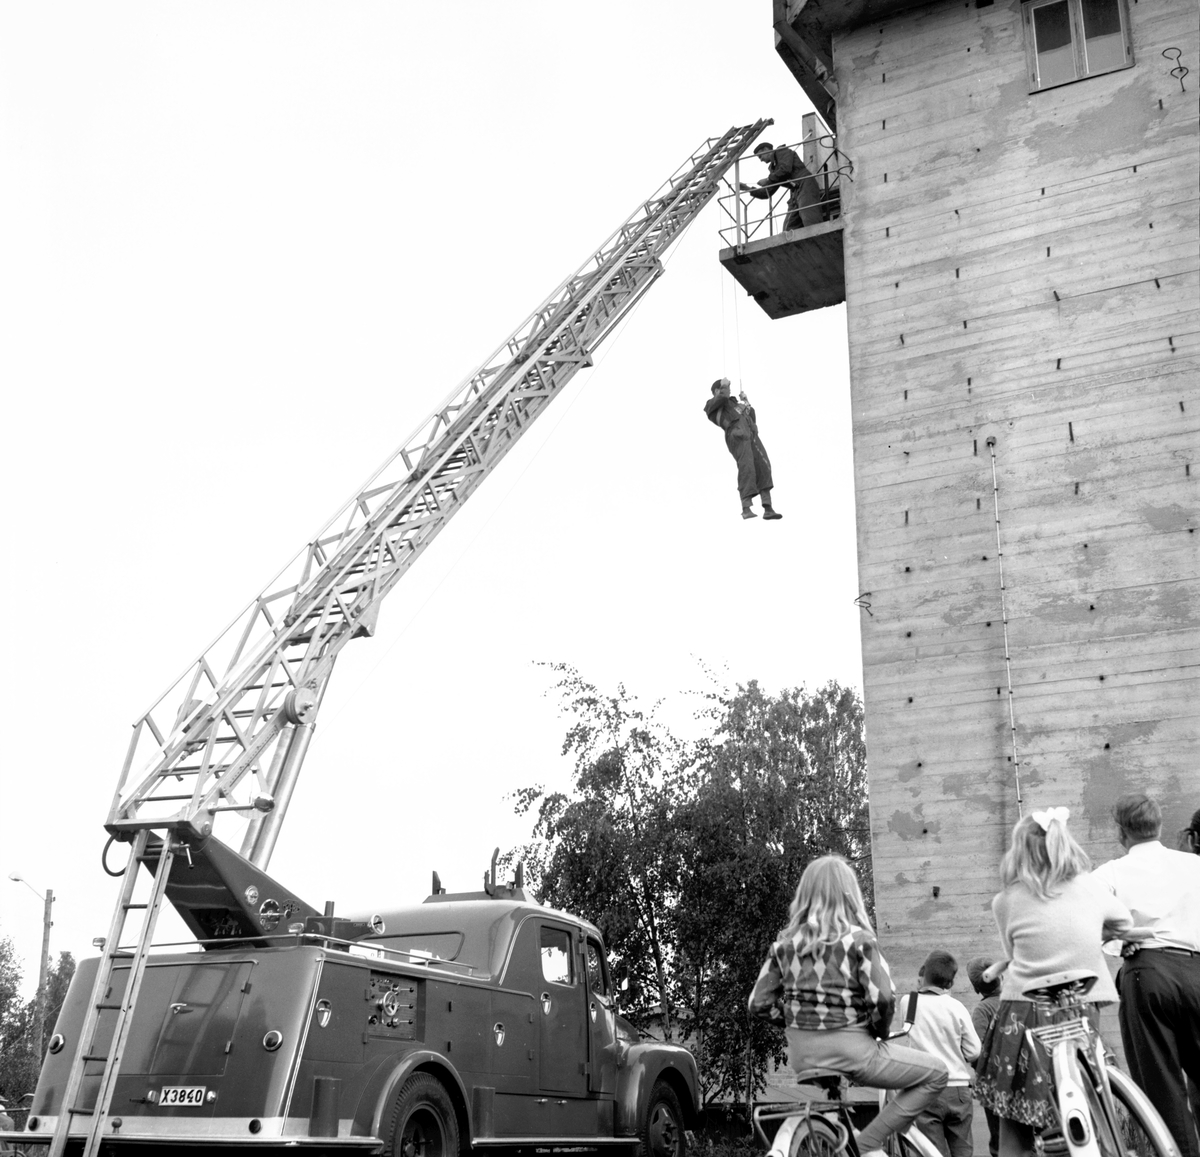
(781, 781)
(608, 851)
(19, 1064)
(686, 855)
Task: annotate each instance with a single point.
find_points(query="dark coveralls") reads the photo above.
(741, 437)
(786, 168)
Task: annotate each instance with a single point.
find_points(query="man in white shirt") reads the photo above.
(1160, 983)
(942, 1026)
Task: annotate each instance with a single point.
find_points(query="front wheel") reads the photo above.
(661, 1134)
(1143, 1131)
(423, 1122)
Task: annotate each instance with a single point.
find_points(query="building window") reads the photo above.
(1066, 40)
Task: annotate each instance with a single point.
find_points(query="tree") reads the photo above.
(19, 1066)
(15, 1026)
(58, 980)
(781, 781)
(686, 856)
(608, 851)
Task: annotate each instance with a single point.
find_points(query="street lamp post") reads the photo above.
(39, 1018)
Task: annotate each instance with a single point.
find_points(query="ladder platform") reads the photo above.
(792, 272)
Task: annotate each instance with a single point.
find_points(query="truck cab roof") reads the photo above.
(471, 930)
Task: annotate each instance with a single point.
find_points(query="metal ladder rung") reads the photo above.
(138, 907)
(80, 1111)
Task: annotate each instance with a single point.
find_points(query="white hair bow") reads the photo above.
(1044, 819)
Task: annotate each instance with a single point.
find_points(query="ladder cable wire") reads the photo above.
(1012, 722)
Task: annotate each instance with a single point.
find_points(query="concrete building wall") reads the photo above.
(1023, 267)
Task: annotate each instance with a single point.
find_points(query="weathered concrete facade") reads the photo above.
(1020, 267)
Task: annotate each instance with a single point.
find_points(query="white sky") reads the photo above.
(245, 248)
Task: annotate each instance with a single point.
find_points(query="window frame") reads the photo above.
(572, 980)
(602, 960)
(1078, 43)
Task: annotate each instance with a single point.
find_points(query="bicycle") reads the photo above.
(1102, 1113)
(822, 1128)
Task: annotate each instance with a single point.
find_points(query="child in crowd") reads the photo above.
(942, 1026)
(982, 1016)
(1053, 917)
(827, 982)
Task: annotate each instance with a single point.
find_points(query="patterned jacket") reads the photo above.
(845, 983)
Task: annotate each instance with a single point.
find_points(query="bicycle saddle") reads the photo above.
(828, 1079)
(1050, 986)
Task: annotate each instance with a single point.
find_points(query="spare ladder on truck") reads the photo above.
(231, 733)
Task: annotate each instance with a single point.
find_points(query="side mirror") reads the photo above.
(618, 992)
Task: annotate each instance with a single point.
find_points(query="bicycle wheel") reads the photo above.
(1143, 1133)
(817, 1137)
(914, 1143)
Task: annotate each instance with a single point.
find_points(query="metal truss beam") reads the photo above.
(230, 734)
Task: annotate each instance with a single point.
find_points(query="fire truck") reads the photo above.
(464, 1022)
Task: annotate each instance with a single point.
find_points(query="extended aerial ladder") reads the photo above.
(230, 735)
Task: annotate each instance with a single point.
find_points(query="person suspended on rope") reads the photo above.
(736, 417)
(785, 169)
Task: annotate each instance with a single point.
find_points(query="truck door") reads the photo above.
(563, 1014)
(602, 1026)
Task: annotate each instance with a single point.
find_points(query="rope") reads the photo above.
(721, 279)
(737, 339)
(1012, 723)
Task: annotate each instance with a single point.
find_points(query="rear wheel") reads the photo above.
(914, 1143)
(661, 1133)
(815, 1136)
(423, 1122)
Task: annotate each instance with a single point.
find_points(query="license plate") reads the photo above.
(182, 1095)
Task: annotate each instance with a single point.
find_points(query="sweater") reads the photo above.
(983, 1014)
(1043, 937)
(844, 983)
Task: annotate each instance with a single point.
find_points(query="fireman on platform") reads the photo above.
(736, 418)
(785, 169)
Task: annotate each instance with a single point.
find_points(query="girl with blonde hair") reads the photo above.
(1053, 917)
(827, 982)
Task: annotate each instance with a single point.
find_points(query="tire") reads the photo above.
(1143, 1130)
(423, 1121)
(661, 1132)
